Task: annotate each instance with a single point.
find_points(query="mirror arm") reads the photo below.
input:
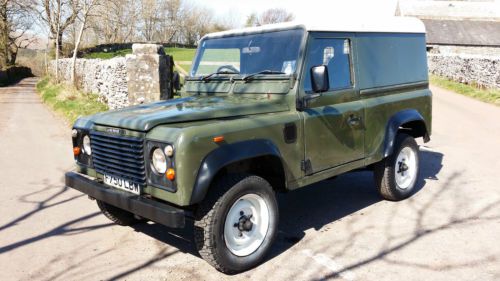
(304, 102)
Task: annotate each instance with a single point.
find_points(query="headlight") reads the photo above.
(74, 133)
(86, 145)
(159, 161)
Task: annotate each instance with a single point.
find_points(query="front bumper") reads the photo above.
(150, 209)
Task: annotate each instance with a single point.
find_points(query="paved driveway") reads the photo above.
(339, 228)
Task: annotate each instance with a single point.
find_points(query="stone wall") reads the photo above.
(106, 78)
(469, 69)
(146, 75)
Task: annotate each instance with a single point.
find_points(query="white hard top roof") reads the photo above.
(385, 25)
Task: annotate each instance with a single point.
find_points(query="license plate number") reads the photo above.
(122, 184)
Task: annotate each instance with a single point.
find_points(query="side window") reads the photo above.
(335, 54)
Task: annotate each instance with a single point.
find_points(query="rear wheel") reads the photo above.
(117, 215)
(236, 224)
(396, 175)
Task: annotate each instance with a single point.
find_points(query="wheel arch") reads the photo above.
(259, 156)
(411, 122)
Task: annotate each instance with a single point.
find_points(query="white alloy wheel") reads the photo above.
(246, 225)
(406, 168)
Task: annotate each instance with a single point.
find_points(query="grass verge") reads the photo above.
(179, 54)
(67, 101)
(486, 95)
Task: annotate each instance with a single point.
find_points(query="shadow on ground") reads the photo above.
(311, 207)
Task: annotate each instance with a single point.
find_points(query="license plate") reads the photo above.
(122, 184)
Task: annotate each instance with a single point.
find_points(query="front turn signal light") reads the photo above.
(76, 151)
(170, 174)
(218, 139)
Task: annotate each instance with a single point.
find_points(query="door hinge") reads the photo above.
(305, 165)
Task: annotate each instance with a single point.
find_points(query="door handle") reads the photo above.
(353, 120)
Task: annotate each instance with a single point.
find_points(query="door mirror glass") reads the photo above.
(319, 78)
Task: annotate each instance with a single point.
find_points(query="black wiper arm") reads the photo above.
(267, 71)
(208, 76)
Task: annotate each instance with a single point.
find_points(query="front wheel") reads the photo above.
(236, 224)
(397, 175)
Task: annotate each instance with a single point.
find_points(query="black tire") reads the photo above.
(211, 215)
(385, 171)
(117, 215)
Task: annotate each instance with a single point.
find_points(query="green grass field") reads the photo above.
(183, 55)
(67, 101)
(486, 95)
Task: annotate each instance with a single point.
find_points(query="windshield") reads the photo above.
(269, 53)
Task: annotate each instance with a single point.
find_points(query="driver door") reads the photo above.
(333, 120)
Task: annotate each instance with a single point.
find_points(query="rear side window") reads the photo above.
(335, 54)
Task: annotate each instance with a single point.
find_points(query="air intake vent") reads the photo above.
(118, 156)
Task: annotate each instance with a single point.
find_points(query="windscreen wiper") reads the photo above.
(208, 76)
(267, 71)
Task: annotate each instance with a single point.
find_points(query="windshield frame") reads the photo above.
(239, 76)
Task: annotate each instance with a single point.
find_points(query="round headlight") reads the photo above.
(86, 145)
(159, 161)
(74, 133)
(169, 150)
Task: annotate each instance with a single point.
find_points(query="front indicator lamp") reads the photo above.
(170, 174)
(76, 151)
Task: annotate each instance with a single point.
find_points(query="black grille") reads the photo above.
(118, 156)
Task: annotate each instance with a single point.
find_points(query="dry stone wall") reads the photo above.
(106, 78)
(470, 69)
(144, 76)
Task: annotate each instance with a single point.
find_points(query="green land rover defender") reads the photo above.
(265, 109)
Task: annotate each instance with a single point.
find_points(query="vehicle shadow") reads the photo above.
(312, 207)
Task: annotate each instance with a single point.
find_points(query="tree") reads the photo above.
(116, 21)
(269, 16)
(15, 22)
(4, 34)
(86, 6)
(252, 20)
(59, 15)
(197, 21)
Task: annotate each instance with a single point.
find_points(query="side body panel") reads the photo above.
(393, 77)
(195, 143)
(333, 127)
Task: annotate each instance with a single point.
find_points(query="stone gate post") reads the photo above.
(149, 74)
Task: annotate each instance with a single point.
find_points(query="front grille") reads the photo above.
(118, 156)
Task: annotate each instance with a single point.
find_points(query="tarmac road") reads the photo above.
(339, 229)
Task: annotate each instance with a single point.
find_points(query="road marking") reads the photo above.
(325, 261)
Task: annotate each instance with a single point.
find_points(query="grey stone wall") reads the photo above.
(470, 69)
(141, 77)
(106, 78)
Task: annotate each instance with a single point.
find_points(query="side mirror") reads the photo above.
(176, 81)
(319, 78)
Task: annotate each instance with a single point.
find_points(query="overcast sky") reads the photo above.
(304, 10)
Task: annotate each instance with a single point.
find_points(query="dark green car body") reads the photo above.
(271, 126)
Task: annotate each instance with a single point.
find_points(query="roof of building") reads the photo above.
(450, 10)
(386, 24)
(463, 32)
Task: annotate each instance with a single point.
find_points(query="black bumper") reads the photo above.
(153, 210)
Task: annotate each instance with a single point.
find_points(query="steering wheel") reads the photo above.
(229, 67)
